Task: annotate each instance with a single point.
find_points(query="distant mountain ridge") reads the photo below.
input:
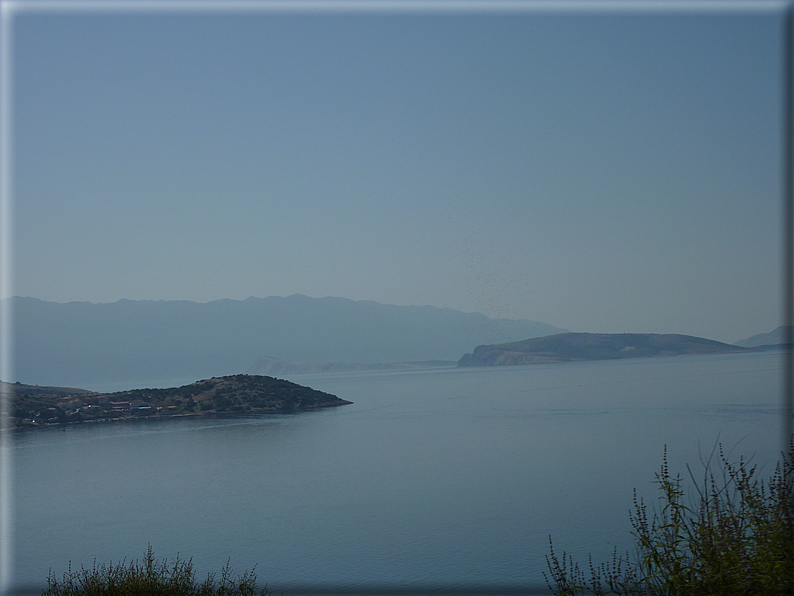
(148, 343)
(773, 338)
(572, 347)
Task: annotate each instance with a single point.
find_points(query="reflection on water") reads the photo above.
(445, 476)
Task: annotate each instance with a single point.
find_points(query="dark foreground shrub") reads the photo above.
(733, 535)
(150, 577)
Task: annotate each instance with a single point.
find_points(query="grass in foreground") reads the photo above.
(150, 577)
(733, 535)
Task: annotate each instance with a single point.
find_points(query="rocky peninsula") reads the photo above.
(231, 395)
(573, 347)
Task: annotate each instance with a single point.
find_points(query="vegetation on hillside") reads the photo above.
(151, 577)
(733, 535)
(231, 395)
(241, 394)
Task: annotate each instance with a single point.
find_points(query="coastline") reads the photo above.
(237, 395)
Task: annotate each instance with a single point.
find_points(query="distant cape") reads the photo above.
(130, 343)
(572, 347)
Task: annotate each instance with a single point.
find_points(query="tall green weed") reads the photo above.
(150, 577)
(734, 535)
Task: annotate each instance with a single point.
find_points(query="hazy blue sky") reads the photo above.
(610, 173)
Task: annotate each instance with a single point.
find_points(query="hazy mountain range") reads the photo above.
(130, 344)
(773, 338)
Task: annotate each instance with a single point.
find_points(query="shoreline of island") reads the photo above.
(230, 396)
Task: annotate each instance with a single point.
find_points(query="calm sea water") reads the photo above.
(444, 476)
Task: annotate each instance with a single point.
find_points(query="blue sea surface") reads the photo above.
(432, 477)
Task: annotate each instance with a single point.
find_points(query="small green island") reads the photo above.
(236, 395)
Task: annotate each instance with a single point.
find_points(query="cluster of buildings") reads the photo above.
(86, 407)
